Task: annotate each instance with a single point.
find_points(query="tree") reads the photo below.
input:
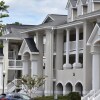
(3, 13)
(30, 84)
(17, 23)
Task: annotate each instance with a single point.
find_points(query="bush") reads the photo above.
(44, 98)
(73, 96)
(70, 96)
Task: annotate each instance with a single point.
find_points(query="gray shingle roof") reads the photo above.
(15, 31)
(19, 28)
(31, 44)
(58, 20)
(14, 35)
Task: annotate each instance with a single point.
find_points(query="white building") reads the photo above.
(66, 49)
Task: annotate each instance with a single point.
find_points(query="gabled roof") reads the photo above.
(28, 45)
(84, 2)
(54, 17)
(57, 20)
(16, 35)
(14, 31)
(31, 44)
(9, 27)
(94, 35)
(48, 19)
(73, 2)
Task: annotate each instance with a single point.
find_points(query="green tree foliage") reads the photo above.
(73, 96)
(3, 13)
(17, 23)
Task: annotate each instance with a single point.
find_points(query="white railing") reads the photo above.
(73, 45)
(15, 63)
(12, 85)
(94, 96)
(88, 95)
(97, 96)
(11, 54)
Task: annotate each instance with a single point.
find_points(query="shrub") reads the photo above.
(73, 96)
(70, 96)
(44, 98)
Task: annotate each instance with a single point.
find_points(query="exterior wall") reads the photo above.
(65, 76)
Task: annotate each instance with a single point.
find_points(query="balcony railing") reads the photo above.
(15, 64)
(11, 54)
(73, 45)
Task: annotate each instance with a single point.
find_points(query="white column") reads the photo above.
(77, 64)
(49, 63)
(5, 52)
(39, 44)
(34, 69)
(1, 74)
(96, 72)
(59, 49)
(67, 65)
(67, 46)
(25, 68)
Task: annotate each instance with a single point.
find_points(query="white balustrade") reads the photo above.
(15, 63)
(88, 95)
(11, 54)
(12, 85)
(73, 45)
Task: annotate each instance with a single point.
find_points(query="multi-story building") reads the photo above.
(63, 47)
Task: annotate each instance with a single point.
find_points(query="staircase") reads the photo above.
(12, 86)
(92, 95)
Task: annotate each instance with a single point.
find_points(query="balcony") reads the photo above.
(73, 45)
(11, 55)
(15, 64)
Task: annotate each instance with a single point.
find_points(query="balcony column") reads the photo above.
(1, 72)
(77, 64)
(49, 62)
(96, 71)
(67, 65)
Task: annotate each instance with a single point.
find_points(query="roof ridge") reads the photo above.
(58, 14)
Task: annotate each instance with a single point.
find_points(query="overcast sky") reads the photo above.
(33, 11)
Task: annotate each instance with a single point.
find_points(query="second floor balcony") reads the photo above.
(15, 64)
(72, 45)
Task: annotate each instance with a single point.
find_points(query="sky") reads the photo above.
(33, 12)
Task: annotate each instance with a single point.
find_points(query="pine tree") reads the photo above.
(3, 13)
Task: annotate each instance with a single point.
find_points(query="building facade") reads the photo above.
(66, 48)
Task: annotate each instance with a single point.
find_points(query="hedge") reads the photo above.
(70, 96)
